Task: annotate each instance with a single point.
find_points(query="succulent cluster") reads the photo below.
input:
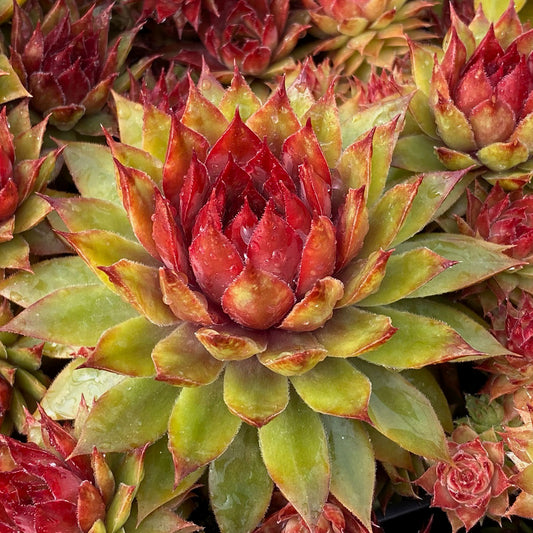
(244, 246)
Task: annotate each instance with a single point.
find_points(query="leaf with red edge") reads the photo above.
(181, 359)
(275, 247)
(290, 353)
(352, 226)
(138, 192)
(259, 404)
(202, 116)
(363, 277)
(185, 303)
(139, 285)
(316, 307)
(318, 255)
(193, 194)
(301, 148)
(168, 237)
(355, 162)
(90, 506)
(314, 190)
(184, 143)
(8, 199)
(239, 231)
(388, 216)
(238, 141)
(257, 299)
(264, 168)
(275, 120)
(352, 331)
(215, 262)
(229, 342)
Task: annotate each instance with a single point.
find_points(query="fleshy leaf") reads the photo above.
(461, 319)
(130, 119)
(157, 486)
(81, 214)
(476, 260)
(352, 466)
(256, 405)
(139, 285)
(334, 387)
(120, 420)
(240, 476)
(63, 397)
(25, 288)
(436, 342)
(352, 331)
(403, 414)
(200, 428)
(11, 87)
(181, 359)
(91, 167)
(15, 254)
(127, 348)
(295, 452)
(405, 273)
(93, 308)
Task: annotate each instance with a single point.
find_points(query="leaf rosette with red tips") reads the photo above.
(255, 255)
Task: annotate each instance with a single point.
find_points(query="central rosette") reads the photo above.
(253, 237)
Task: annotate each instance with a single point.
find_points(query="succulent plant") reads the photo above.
(24, 172)
(66, 63)
(256, 36)
(473, 102)
(46, 490)
(253, 277)
(356, 34)
(474, 484)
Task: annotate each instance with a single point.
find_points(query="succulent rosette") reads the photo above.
(66, 62)
(356, 34)
(257, 36)
(252, 283)
(46, 490)
(473, 485)
(23, 172)
(474, 100)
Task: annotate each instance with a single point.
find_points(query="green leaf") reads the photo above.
(15, 253)
(200, 428)
(334, 387)
(419, 341)
(11, 87)
(476, 260)
(405, 273)
(425, 382)
(387, 451)
(30, 213)
(353, 468)
(157, 486)
(295, 452)
(416, 153)
(259, 403)
(403, 414)
(355, 124)
(25, 288)
(127, 347)
(473, 330)
(352, 331)
(432, 192)
(181, 359)
(239, 485)
(129, 415)
(92, 169)
(63, 397)
(130, 120)
(81, 214)
(92, 308)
